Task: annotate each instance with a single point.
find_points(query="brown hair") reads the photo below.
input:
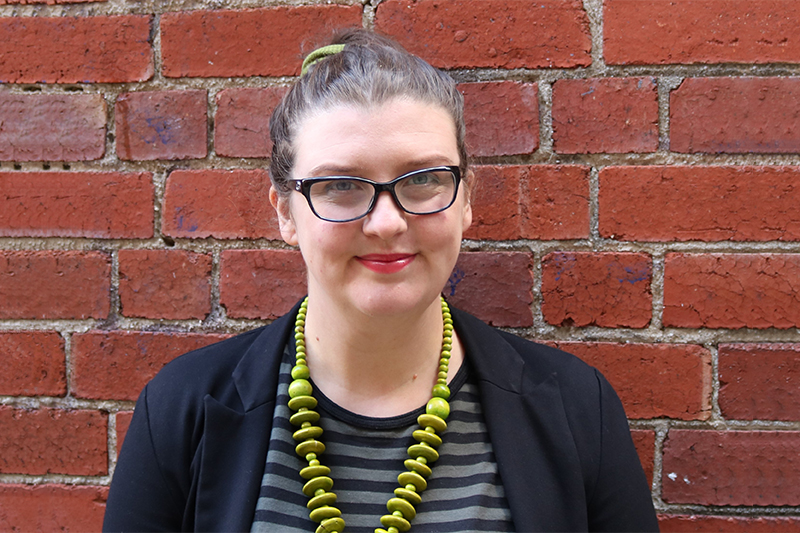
(370, 70)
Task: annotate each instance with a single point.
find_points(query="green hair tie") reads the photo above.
(320, 53)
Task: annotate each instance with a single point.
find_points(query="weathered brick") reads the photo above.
(54, 284)
(162, 125)
(32, 364)
(731, 467)
(261, 283)
(613, 115)
(52, 127)
(52, 507)
(171, 284)
(727, 524)
(502, 117)
(53, 441)
(645, 442)
(241, 125)
(110, 205)
(731, 291)
(759, 381)
(494, 286)
(711, 203)
(490, 33)
(530, 202)
(248, 42)
(117, 365)
(641, 32)
(604, 289)
(226, 204)
(736, 115)
(112, 49)
(123, 420)
(653, 380)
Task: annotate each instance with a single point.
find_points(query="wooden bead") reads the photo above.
(312, 485)
(401, 524)
(314, 471)
(412, 497)
(399, 504)
(412, 478)
(431, 438)
(420, 450)
(326, 498)
(433, 421)
(309, 402)
(312, 432)
(438, 407)
(309, 446)
(300, 387)
(321, 513)
(300, 372)
(300, 417)
(420, 468)
(441, 391)
(331, 525)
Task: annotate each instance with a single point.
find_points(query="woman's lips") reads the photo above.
(386, 263)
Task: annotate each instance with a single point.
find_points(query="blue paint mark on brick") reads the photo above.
(455, 279)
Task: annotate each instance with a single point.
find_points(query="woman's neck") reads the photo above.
(376, 366)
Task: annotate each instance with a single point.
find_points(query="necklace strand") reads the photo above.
(318, 483)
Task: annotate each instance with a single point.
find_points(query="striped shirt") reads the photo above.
(365, 456)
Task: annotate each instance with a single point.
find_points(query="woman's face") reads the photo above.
(388, 262)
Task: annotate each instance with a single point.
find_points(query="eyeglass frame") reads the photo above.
(303, 186)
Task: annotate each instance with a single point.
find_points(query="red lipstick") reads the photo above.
(386, 263)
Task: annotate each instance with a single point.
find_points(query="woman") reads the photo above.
(318, 417)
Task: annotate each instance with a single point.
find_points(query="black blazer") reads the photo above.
(195, 452)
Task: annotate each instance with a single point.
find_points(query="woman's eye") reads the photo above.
(426, 178)
(335, 186)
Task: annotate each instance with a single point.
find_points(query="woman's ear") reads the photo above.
(281, 204)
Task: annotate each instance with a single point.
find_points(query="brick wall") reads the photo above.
(638, 206)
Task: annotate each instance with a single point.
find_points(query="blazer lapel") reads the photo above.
(528, 429)
(236, 435)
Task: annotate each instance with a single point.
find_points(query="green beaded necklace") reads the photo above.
(412, 482)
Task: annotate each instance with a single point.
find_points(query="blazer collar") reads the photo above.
(255, 385)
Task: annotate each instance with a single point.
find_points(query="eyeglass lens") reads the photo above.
(420, 193)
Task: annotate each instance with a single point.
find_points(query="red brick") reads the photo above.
(104, 205)
(261, 283)
(52, 508)
(759, 381)
(502, 117)
(50, 127)
(54, 284)
(113, 49)
(162, 125)
(117, 365)
(226, 204)
(687, 203)
(731, 291)
(249, 42)
(530, 202)
(736, 115)
(123, 423)
(641, 32)
(494, 286)
(53, 441)
(603, 289)
(613, 115)
(49, 2)
(171, 284)
(241, 126)
(32, 364)
(645, 442)
(490, 33)
(731, 467)
(728, 524)
(653, 380)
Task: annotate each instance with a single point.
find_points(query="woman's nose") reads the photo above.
(386, 219)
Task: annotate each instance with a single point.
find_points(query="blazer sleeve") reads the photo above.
(620, 499)
(141, 497)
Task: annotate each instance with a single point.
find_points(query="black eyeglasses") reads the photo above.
(348, 198)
